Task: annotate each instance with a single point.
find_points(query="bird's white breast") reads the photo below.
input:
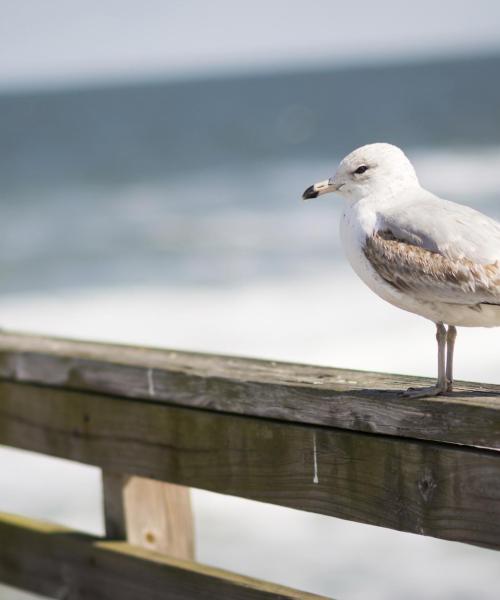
(359, 220)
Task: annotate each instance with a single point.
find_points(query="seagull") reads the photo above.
(426, 255)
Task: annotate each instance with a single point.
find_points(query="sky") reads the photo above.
(47, 42)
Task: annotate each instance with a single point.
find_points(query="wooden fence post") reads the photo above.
(148, 513)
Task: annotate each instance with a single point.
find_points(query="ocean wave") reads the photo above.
(231, 226)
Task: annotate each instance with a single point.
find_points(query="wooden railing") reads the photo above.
(335, 442)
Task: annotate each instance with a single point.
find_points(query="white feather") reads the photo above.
(388, 196)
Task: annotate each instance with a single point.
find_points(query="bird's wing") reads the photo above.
(453, 230)
(438, 251)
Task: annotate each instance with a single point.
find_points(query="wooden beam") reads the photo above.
(352, 400)
(113, 501)
(150, 514)
(60, 563)
(442, 490)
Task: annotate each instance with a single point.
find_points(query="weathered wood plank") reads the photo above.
(150, 514)
(352, 400)
(442, 490)
(115, 524)
(59, 563)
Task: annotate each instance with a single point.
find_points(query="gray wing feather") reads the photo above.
(438, 251)
(453, 230)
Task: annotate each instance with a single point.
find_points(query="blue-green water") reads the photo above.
(198, 181)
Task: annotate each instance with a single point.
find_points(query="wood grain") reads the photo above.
(441, 490)
(352, 400)
(59, 563)
(150, 514)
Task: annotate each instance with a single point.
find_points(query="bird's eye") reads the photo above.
(361, 169)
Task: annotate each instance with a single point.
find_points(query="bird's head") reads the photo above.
(367, 170)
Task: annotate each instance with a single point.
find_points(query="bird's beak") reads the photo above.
(322, 187)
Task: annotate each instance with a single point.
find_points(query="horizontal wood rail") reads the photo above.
(60, 563)
(352, 400)
(330, 441)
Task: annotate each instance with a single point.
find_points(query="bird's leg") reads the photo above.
(441, 340)
(451, 336)
(441, 383)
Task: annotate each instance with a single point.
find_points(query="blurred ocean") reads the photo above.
(168, 213)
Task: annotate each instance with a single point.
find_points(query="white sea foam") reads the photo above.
(331, 320)
(467, 173)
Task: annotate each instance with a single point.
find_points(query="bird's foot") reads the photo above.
(427, 392)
